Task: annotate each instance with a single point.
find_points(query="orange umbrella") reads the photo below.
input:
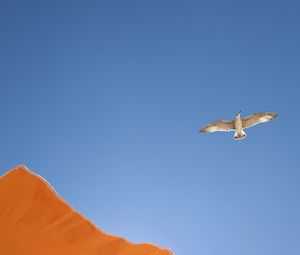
(34, 220)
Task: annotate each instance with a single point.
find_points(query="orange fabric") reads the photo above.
(34, 220)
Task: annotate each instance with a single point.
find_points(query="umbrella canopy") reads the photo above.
(35, 220)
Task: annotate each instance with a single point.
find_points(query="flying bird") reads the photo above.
(238, 124)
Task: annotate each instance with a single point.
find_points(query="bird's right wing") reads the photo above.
(257, 118)
(221, 125)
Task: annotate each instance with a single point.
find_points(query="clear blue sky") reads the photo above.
(105, 98)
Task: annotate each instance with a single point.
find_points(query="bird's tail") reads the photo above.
(240, 135)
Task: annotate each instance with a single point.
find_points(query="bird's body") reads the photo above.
(238, 124)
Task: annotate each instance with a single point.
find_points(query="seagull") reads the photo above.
(238, 124)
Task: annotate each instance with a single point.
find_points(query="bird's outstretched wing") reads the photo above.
(257, 118)
(221, 125)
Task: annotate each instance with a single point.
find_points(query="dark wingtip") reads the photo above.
(201, 130)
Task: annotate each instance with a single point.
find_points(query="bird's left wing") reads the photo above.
(221, 125)
(257, 118)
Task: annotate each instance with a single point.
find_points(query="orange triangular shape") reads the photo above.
(34, 220)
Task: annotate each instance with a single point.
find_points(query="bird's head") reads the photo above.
(238, 114)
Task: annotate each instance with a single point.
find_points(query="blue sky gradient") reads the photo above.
(104, 99)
